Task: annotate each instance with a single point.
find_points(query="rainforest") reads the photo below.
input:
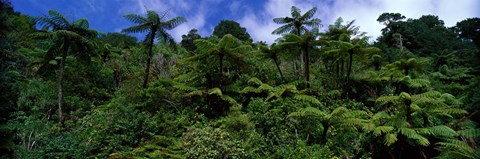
(318, 91)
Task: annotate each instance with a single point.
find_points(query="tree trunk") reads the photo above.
(408, 111)
(279, 71)
(324, 132)
(307, 64)
(61, 79)
(221, 63)
(350, 60)
(149, 60)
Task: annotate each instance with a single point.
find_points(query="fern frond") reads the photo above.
(308, 112)
(442, 130)
(195, 93)
(229, 99)
(306, 98)
(457, 149)
(254, 81)
(216, 91)
(412, 134)
(382, 129)
(250, 90)
(390, 139)
(265, 87)
(474, 133)
(387, 99)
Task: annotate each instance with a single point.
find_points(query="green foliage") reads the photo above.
(187, 40)
(233, 28)
(211, 142)
(298, 22)
(413, 93)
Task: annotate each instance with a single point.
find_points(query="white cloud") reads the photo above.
(364, 12)
(259, 22)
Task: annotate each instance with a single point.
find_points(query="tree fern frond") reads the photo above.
(216, 91)
(457, 149)
(283, 29)
(306, 98)
(229, 99)
(172, 23)
(195, 93)
(254, 81)
(442, 130)
(58, 19)
(250, 89)
(265, 87)
(387, 99)
(381, 115)
(308, 111)
(134, 18)
(412, 134)
(379, 130)
(473, 133)
(390, 139)
(418, 83)
(81, 23)
(137, 29)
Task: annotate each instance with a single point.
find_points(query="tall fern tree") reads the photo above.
(414, 119)
(298, 23)
(68, 37)
(339, 117)
(307, 43)
(272, 53)
(228, 48)
(157, 26)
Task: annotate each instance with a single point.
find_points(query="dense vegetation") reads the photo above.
(71, 92)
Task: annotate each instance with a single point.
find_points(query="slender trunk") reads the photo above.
(60, 79)
(149, 59)
(342, 66)
(116, 78)
(324, 132)
(408, 111)
(221, 63)
(222, 55)
(350, 60)
(307, 64)
(279, 71)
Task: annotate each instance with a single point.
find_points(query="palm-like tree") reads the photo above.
(406, 65)
(68, 37)
(356, 47)
(415, 118)
(339, 117)
(157, 27)
(298, 22)
(272, 53)
(307, 43)
(227, 48)
(343, 32)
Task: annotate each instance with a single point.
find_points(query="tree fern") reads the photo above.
(457, 149)
(470, 133)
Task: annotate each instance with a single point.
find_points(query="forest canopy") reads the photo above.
(319, 91)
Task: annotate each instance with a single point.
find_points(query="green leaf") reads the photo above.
(53, 62)
(382, 129)
(390, 139)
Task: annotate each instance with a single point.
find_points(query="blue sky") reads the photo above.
(255, 15)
